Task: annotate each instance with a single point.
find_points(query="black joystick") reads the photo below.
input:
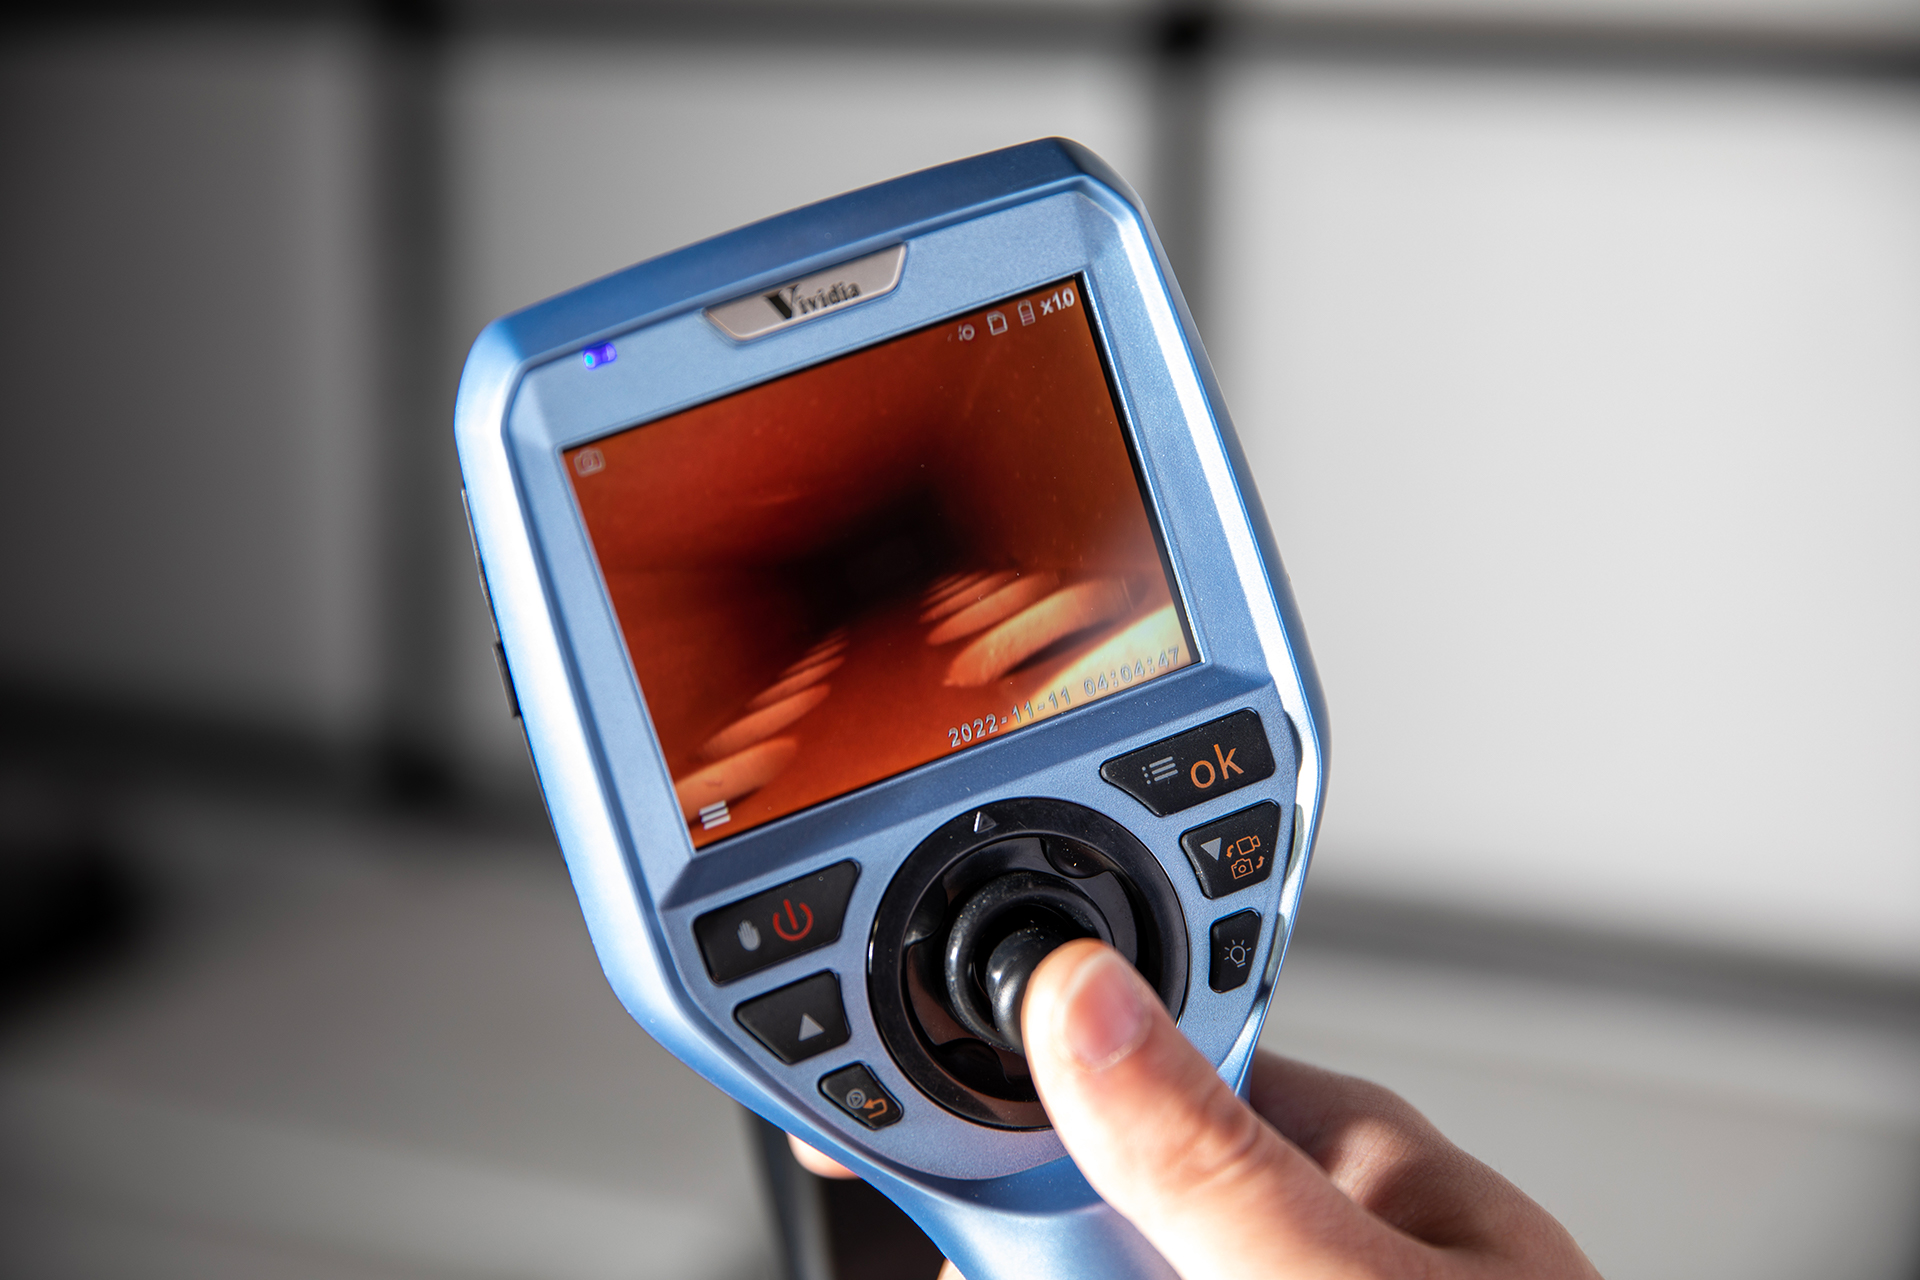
(1011, 967)
(1000, 937)
(970, 915)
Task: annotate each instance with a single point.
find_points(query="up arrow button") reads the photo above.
(797, 1021)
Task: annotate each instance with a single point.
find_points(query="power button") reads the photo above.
(786, 920)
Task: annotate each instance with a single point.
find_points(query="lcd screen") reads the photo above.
(855, 569)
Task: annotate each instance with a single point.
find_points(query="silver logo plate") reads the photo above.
(810, 296)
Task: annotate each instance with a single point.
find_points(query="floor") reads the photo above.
(360, 1045)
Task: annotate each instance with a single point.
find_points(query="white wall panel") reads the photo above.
(187, 484)
(1817, 19)
(1588, 413)
(571, 160)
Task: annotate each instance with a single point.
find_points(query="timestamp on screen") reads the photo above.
(1126, 673)
(1038, 707)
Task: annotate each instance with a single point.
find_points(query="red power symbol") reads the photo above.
(792, 929)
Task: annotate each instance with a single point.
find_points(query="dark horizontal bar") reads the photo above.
(1551, 40)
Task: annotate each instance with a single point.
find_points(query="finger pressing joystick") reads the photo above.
(969, 916)
(1011, 967)
(999, 938)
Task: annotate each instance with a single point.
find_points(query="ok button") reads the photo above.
(1210, 760)
(1225, 773)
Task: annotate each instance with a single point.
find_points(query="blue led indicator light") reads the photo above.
(597, 356)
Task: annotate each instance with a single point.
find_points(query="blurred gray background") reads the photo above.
(1576, 347)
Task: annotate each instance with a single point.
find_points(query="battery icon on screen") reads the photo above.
(1026, 313)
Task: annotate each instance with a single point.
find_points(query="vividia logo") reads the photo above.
(791, 303)
(811, 296)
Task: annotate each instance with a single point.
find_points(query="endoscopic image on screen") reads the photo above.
(833, 577)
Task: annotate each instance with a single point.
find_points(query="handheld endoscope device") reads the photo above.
(887, 602)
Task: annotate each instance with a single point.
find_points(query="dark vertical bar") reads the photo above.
(419, 495)
(799, 1206)
(1185, 39)
(837, 1229)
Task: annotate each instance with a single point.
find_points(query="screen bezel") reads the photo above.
(679, 359)
(1089, 315)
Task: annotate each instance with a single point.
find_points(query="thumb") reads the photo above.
(1165, 1142)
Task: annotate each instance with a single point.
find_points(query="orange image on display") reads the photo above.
(833, 577)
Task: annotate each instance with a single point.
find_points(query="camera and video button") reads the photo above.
(784, 921)
(854, 1090)
(1236, 944)
(798, 1021)
(1237, 851)
(1193, 767)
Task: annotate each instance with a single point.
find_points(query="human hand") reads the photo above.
(1323, 1176)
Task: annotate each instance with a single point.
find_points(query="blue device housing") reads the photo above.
(1000, 1203)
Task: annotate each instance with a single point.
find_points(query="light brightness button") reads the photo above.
(1236, 945)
